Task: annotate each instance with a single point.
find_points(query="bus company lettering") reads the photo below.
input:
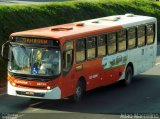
(21, 82)
(29, 83)
(41, 84)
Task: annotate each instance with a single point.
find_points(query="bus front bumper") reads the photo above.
(55, 93)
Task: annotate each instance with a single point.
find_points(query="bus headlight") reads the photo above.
(13, 84)
(48, 87)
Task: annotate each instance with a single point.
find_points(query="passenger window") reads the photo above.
(101, 42)
(121, 40)
(80, 50)
(150, 33)
(111, 43)
(67, 56)
(131, 38)
(141, 35)
(91, 47)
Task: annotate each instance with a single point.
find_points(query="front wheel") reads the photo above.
(79, 91)
(128, 76)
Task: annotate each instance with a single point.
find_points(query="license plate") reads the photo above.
(29, 93)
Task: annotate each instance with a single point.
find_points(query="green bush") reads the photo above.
(23, 17)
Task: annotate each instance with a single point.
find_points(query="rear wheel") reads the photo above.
(128, 76)
(79, 91)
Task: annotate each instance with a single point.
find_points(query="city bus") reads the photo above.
(67, 60)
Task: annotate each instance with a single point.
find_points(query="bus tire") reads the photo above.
(128, 76)
(79, 91)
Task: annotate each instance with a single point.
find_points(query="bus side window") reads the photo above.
(121, 40)
(150, 33)
(101, 45)
(131, 38)
(67, 56)
(141, 35)
(111, 43)
(91, 47)
(80, 50)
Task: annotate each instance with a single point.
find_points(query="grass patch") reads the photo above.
(23, 17)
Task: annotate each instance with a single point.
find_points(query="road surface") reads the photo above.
(141, 99)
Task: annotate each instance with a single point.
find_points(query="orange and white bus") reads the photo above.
(67, 60)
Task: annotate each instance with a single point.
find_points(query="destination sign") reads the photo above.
(36, 41)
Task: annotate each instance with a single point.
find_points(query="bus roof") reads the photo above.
(81, 28)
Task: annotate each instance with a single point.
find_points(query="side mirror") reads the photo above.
(4, 50)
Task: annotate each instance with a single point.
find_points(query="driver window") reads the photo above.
(68, 56)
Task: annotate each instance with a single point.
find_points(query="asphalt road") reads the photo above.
(141, 99)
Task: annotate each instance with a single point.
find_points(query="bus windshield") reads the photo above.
(35, 61)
